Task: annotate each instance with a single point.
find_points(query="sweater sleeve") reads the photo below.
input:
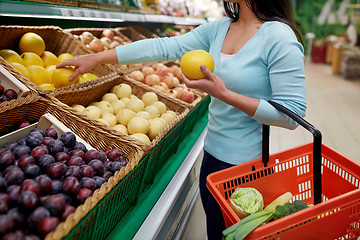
(168, 48)
(285, 62)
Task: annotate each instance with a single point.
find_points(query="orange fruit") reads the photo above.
(47, 86)
(191, 62)
(31, 58)
(60, 77)
(39, 75)
(49, 59)
(64, 56)
(32, 42)
(22, 69)
(11, 56)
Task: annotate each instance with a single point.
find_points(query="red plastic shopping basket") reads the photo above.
(313, 173)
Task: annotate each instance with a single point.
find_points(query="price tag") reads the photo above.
(75, 13)
(97, 14)
(87, 13)
(65, 12)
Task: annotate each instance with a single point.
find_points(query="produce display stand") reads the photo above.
(314, 173)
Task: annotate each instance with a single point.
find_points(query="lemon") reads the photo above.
(60, 77)
(49, 59)
(87, 77)
(11, 56)
(32, 42)
(22, 69)
(191, 62)
(51, 69)
(39, 75)
(31, 58)
(47, 86)
(64, 56)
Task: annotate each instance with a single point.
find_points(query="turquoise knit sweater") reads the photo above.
(270, 66)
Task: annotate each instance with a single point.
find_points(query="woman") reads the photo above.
(257, 58)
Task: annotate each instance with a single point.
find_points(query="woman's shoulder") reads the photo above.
(278, 30)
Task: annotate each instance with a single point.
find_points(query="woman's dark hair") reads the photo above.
(266, 10)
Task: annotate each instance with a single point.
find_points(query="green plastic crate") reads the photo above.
(106, 215)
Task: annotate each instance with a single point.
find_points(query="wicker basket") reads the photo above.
(144, 31)
(73, 3)
(56, 40)
(34, 107)
(131, 33)
(86, 95)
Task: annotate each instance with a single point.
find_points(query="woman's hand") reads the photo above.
(82, 63)
(213, 84)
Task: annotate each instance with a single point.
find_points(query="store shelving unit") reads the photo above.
(164, 207)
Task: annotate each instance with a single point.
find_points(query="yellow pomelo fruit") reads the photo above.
(64, 56)
(11, 56)
(49, 59)
(32, 42)
(87, 77)
(60, 77)
(31, 58)
(39, 75)
(47, 86)
(22, 69)
(51, 69)
(191, 62)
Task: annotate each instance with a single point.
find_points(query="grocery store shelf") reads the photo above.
(44, 11)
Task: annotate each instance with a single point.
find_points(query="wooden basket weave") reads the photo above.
(144, 31)
(34, 107)
(131, 33)
(56, 41)
(87, 95)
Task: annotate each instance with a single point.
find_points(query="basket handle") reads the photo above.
(316, 147)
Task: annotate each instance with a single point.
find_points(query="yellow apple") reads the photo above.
(141, 137)
(110, 97)
(124, 90)
(117, 106)
(149, 98)
(143, 114)
(138, 125)
(135, 104)
(121, 128)
(125, 100)
(93, 111)
(113, 89)
(168, 117)
(106, 122)
(153, 111)
(160, 106)
(156, 126)
(105, 107)
(78, 107)
(172, 113)
(124, 116)
(110, 118)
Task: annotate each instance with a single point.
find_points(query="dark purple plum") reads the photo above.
(39, 151)
(21, 150)
(114, 154)
(99, 181)
(83, 194)
(115, 166)
(42, 132)
(55, 204)
(45, 183)
(86, 171)
(77, 152)
(45, 161)
(69, 209)
(22, 141)
(14, 192)
(4, 202)
(15, 235)
(88, 183)
(62, 157)
(11, 145)
(6, 159)
(11, 93)
(71, 185)
(25, 160)
(76, 161)
(28, 200)
(2, 89)
(56, 170)
(47, 225)
(74, 171)
(107, 175)
(4, 98)
(123, 161)
(56, 186)
(107, 165)
(3, 184)
(32, 237)
(56, 146)
(30, 185)
(67, 197)
(17, 215)
(80, 145)
(97, 166)
(11, 168)
(46, 141)
(33, 139)
(23, 124)
(37, 215)
(51, 132)
(31, 171)
(103, 157)
(14, 177)
(6, 223)
(91, 155)
(69, 139)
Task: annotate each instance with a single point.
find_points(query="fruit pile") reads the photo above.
(7, 94)
(164, 79)
(39, 66)
(120, 109)
(44, 178)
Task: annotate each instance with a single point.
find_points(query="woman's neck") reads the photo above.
(246, 15)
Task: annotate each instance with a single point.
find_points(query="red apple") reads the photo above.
(108, 33)
(168, 80)
(96, 45)
(137, 75)
(172, 93)
(23, 124)
(152, 79)
(147, 70)
(187, 96)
